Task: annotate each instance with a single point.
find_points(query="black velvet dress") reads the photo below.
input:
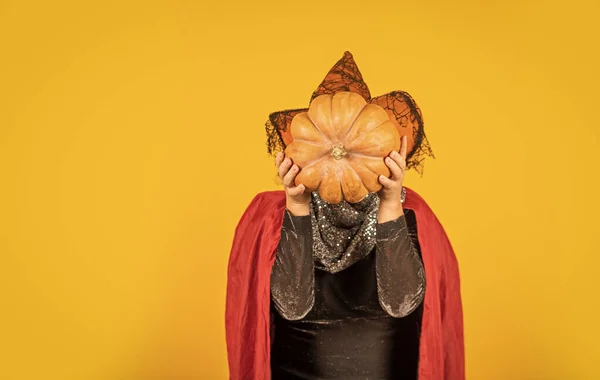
(360, 323)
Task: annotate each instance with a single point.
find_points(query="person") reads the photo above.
(368, 290)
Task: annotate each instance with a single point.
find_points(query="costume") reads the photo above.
(336, 295)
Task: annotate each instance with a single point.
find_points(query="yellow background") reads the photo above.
(131, 140)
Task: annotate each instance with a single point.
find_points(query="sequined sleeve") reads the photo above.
(292, 277)
(400, 272)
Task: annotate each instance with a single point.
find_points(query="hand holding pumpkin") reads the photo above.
(390, 207)
(296, 198)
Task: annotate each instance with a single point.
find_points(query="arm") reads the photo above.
(400, 272)
(292, 277)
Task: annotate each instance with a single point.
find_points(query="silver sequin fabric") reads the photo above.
(343, 233)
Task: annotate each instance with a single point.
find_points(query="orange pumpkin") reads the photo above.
(340, 144)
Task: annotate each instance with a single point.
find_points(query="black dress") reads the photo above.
(360, 323)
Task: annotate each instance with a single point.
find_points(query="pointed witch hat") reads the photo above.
(345, 76)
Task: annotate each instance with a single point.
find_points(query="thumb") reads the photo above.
(385, 181)
(296, 191)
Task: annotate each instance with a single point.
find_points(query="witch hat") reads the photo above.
(345, 76)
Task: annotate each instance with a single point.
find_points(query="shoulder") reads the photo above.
(271, 199)
(264, 206)
(432, 236)
(424, 214)
(415, 202)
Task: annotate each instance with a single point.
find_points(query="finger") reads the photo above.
(284, 167)
(279, 159)
(399, 159)
(288, 179)
(404, 147)
(386, 182)
(397, 172)
(296, 191)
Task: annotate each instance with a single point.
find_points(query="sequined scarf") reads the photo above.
(344, 233)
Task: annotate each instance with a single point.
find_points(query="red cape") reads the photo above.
(247, 315)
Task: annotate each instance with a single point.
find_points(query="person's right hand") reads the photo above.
(297, 199)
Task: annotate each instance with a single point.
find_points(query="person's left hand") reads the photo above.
(390, 207)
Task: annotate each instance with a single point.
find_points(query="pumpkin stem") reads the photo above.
(338, 152)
